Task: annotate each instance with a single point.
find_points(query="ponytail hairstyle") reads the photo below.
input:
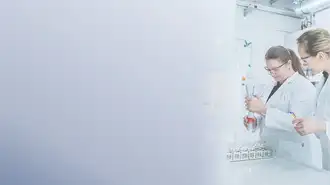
(283, 55)
(296, 64)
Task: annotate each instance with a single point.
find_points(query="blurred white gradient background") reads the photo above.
(116, 92)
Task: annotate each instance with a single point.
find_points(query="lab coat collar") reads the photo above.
(320, 88)
(291, 79)
(286, 82)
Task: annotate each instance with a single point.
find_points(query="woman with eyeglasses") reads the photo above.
(314, 50)
(293, 95)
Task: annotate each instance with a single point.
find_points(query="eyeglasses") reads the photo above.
(305, 58)
(275, 69)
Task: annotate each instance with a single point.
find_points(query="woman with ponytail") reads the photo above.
(293, 95)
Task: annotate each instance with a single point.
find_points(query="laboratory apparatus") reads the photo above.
(308, 73)
(251, 119)
(257, 152)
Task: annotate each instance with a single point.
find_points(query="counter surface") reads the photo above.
(273, 172)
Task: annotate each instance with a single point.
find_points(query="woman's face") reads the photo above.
(278, 70)
(313, 62)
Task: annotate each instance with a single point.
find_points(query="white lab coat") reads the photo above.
(297, 95)
(322, 113)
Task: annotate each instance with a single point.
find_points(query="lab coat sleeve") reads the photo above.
(301, 104)
(277, 119)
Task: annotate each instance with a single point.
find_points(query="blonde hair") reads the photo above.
(315, 41)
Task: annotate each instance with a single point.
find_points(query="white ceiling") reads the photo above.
(280, 4)
(292, 8)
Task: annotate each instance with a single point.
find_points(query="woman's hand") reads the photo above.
(256, 105)
(305, 126)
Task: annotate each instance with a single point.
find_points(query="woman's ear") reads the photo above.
(322, 55)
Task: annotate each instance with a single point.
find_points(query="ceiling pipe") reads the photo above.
(312, 7)
(268, 9)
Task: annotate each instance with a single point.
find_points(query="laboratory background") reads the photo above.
(123, 92)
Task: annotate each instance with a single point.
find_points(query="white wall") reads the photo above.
(264, 30)
(322, 19)
(116, 92)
